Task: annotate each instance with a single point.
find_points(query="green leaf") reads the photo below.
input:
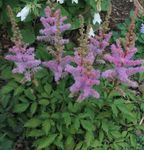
(133, 141)
(18, 91)
(114, 109)
(76, 123)
(105, 126)
(78, 146)
(46, 141)
(89, 137)
(124, 110)
(46, 126)
(69, 143)
(48, 88)
(87, 125)
(44, 102)
(29, 94)
(28, 35)
(33, 123)
(36, 133)
(33, 108)
(7, 89)
(67, 119)
(19, 108)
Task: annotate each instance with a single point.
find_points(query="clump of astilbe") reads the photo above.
(52, 34)
(22, 55)
(84, 74)
(124, 65)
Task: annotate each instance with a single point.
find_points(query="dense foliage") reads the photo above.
(61, 93)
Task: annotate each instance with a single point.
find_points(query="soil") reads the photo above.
(120, 11)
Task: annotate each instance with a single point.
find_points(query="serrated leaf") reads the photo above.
(35, 133)
(19, 108)
(46, 126)
(44, 102)
(48, 88)
(33, 123)
(89, 137)
(46, 141)
(67, 119)
(87, 125)
(33, 108)
(30, 94)
(18, 91)
(133, 141)
(105, 126)
(69, 143)
(76, 123)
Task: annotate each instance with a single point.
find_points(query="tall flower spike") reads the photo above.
(85, 76)
(130, 36)
(22, 55)
(53, 27)
(98, 43)
(53, 22)
(124, 65)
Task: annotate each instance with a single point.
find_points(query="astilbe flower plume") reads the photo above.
(124, 65)
(52, 34)
(84, 74)
(53, 23)
(85, 77)
(98, 43)
(22, 55)
(24, 59)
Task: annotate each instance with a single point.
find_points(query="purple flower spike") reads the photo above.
(52, 23)
(98, 43)
(57, 67)
(84, 81)
(24, 59)
(124, 65)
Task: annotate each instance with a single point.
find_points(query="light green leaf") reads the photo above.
(46, 141)
(46, 126)
(87, 125)
(33, 123)
(33, 108)
(19, 108)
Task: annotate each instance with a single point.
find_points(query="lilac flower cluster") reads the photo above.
(53, 27)
(58, 67)
(85, 76)
(98, 43)
(124, 65)
(24, 59)
(53, 24)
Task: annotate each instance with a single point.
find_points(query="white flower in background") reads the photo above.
(60, 1)
(97, 18)
(24, 12)
(91, 32)
(75, 1)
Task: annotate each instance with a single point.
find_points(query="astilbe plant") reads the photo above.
(84, 74)
(22, 55)
(124, 65)
(51, 34)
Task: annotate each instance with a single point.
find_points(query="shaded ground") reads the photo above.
(120, 11)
